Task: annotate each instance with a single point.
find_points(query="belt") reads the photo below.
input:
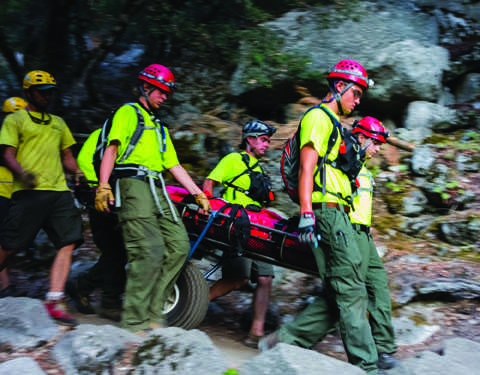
(338, 206)
(361, 227)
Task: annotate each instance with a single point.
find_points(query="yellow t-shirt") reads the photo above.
(6, 182)
(315, 128)
(227, 169)
(85, 156)
(149, 150)
(38, 147)
(363, 199)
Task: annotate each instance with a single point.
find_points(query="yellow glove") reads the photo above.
(28, 179)
(103, 197)
(202, 201)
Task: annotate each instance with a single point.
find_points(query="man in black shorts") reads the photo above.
(36, 150)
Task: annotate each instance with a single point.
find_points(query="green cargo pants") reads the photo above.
(379, 304)
(345, 301)
(157, 247)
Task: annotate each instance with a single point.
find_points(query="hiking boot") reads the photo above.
(11, 291)
(386, 361)
(58, 311)
(268, 342)
(111, 313)
(80, 301)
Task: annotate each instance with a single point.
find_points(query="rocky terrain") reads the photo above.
(424, 58)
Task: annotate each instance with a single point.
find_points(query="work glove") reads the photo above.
(307, 232)
(202, 202)
(103, 197)
(28, 179)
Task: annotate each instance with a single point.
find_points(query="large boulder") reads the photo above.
(30, 329)
(92, 349)
(176, 351)
(408, 70)
(307, 41)
(286, 359)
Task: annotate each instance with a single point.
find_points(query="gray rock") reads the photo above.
(92, 348)
(463, 351)
(176, 351)
(23, 365)
(286, 359)
(460, 232)
(430, 117)
(408, 333)
(306, 35)
(422, 160)
(30, 328)
(416, 226)
(414, 203)
(429, 363)
(409, 69)
(466, 163)
(469, 89)
(457, 289)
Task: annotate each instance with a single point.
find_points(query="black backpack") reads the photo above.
(351, 157)
(260, 186)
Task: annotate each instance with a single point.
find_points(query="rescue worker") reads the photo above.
(156, 241)
(37, 149)
(108, 273)
(371, 135)
(234, 171)
(10, 105)
(325, 201)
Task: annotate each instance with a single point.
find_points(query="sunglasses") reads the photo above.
(357, 94)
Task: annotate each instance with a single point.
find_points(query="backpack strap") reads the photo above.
(246, 160)
(337, 129)
(136, 134)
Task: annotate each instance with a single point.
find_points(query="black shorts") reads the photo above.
(32, 210)
(244, 268)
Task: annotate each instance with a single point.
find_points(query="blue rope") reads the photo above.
(200, 238)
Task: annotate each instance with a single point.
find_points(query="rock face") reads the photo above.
(104, 349)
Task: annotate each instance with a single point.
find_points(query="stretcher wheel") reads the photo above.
(187, 306)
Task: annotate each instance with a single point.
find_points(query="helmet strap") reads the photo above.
(338, 95)
(147, 99)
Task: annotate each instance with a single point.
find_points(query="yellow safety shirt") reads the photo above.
(363, 199)
(315, 128)
(38, 147)
(154, 150)
(227, 169)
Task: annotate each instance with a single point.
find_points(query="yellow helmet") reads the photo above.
(38, 77)
(13, 104)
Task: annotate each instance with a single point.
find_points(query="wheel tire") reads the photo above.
(187, 306)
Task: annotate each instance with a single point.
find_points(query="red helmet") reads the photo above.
(351, 71)
(159, 76)
(372, 128)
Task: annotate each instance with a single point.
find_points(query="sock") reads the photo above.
(54, 296)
